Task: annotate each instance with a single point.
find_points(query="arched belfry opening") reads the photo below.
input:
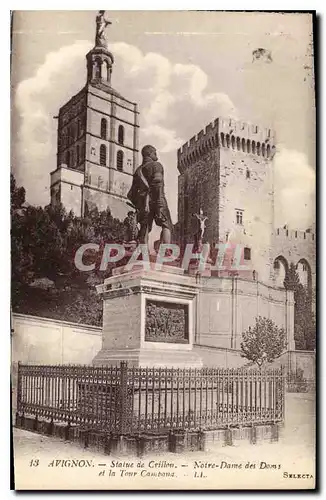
(99, 65)
(280, 269)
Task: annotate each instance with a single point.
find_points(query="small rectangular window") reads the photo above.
(247, 253)
(278, 231)
(296, 234)
(239, 217)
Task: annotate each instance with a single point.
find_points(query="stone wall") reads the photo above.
(226, 307)
(96, 197)
(38, 340)
(45, 341)
(41, 340)
(299, 360)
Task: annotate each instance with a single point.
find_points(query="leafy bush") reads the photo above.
(264, 342)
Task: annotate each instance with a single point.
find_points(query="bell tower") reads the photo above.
(98, 132)
(99, 66)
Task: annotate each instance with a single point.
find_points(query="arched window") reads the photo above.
(248, 146)
(97, 68)
(120, 160)
(105, 70)
(247, 173)
(103, 155)
(253, 147)
(78, 154)
(121, 134)
(243, 145)
(68, 159)
(238, 144)
(258, 148)
(72, 159)
(263, 150)
(104, 127)
(304, 273)
(233, 141)
(223, 139)
(78, 128)
(227, 140)
(281, 268)
(268, 151)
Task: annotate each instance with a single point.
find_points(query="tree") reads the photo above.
(264, 342)
(304, 321)
(17, 195)
(292, 280)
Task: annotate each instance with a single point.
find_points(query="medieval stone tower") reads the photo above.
(97, 143)
(226, 170)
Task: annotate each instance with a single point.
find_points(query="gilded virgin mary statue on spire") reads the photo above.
(101, 24)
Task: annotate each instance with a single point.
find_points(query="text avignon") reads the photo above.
(71, 463)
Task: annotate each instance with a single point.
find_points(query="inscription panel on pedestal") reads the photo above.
(166, 322)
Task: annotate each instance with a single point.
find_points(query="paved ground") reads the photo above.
(50, 463)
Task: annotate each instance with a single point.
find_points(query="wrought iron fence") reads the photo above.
(128, 400)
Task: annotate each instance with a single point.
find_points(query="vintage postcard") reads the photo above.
(163, 246)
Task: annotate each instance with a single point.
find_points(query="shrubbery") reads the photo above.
(43, 246)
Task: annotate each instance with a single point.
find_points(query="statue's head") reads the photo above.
(149, 152)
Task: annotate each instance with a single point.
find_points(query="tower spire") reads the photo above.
(100, 59)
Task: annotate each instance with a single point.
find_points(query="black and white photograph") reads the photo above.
(163, 250)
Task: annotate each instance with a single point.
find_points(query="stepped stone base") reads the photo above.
(151, 358)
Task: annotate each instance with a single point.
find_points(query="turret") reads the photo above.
(228, 133)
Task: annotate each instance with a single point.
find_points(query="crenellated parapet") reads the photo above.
(229, 134)
(294, 245)
(283, 233)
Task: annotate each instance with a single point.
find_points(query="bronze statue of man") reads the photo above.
(148, 197)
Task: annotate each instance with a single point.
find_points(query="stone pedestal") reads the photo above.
(149, 318)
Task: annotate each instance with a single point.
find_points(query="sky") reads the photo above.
(184, 69)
